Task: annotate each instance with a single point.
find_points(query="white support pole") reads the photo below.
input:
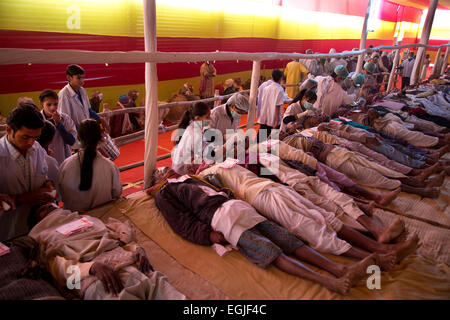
(256, 70)
(151, 93)
(423, 40)
(436, 59)
(444, 62)
(394, 65)
(362, 43)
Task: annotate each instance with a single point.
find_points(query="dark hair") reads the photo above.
(74, 69)
(48, 93)
(90, 134)
(27, 115)
(47, 133)
(277, 75)
(309, 94)
(199, 109)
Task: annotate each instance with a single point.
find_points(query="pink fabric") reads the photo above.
(390, 104)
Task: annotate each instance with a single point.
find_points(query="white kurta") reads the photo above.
(13, 182)
(260, 90)
(68, 103)
(221, 121)
(62, 151)
(272, 96)
(106, 183)
(330, 96)
(292, 110)
(190, 150)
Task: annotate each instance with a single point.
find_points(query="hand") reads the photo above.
(109, 277)
(140, 257)
(217, 237)
(8, 200)
(56, 117)
(39, 196)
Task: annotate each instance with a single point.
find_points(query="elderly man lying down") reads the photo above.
(205, 215)
(320, 228)
(111, 264)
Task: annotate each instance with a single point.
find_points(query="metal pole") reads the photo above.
(424, 40)
(394, 65)
(362, 43)
(256, 70)
(151, 93)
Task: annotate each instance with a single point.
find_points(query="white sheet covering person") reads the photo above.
(112, 244)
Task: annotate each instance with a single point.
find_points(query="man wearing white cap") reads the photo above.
(228, 115)
(330, 94)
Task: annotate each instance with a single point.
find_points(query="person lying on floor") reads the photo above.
(362, 170)
(320, 228)
(393, 125)
(111, 264)
(393, 148)
(329, 199)
(292, 149)
(205, 215)
(416, 177)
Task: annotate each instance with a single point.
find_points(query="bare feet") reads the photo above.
(428, 171)
(358, 270)
(403, 249)
(436, 181)
(384, 200)
(341, 285)
(367, 208)
(392, 231)
(386, 261)
(430, 193)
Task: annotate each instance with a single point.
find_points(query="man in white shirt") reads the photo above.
(23, 169)
(272, 98)
(407, 67)
(73, 99)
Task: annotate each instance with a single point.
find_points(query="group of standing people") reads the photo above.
(37, 161)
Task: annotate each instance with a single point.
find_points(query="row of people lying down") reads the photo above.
(270, 223)
(31, 176)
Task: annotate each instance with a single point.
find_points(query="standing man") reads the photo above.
(24, 169)
(207, 73)
(407, 67)
(295, 73)
(272, 98)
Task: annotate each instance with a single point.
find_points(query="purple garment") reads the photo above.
(334, 178)
(390, 104)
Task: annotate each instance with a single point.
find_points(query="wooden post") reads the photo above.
(444, 62)
(436, 59)
(394, 65)
(423, 40)
(253, 94)
(151, 93)
(362, 42)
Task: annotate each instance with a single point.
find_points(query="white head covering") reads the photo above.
(240, 101)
